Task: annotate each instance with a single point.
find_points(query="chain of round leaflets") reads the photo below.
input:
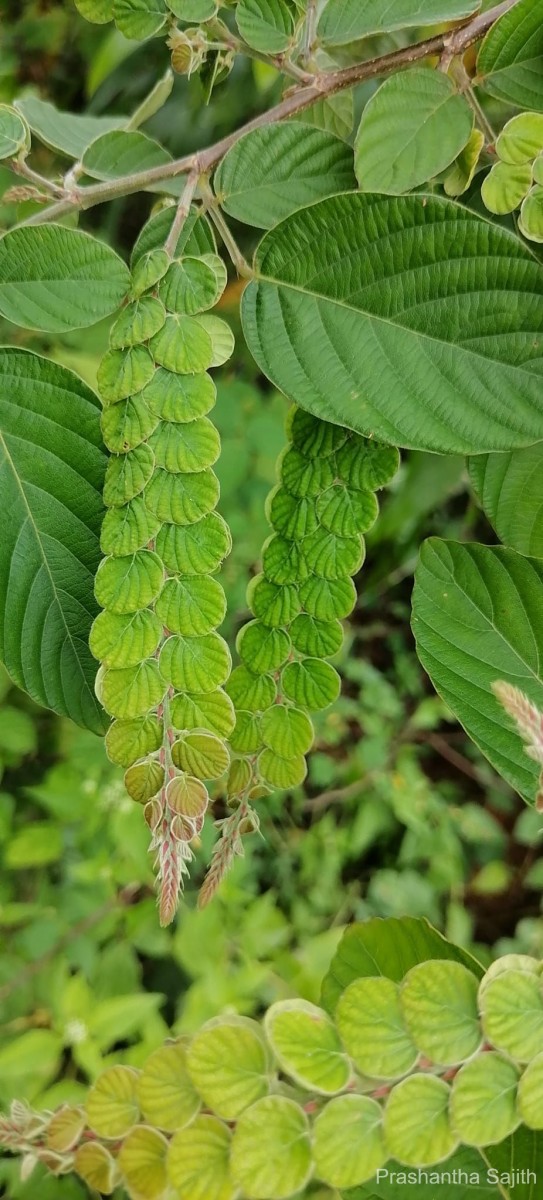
(392, 1075)
(324, 502)
(163, 663)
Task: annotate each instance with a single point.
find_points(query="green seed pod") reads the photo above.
(163, 663)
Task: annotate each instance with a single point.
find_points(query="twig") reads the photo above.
(327, 83)
(21, 167)
(183, 209)
(310, 29)
(242, 266)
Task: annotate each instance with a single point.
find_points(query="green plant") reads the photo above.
(390, 313)
(332, 1093)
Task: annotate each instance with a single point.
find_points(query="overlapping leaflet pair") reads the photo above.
(165, 674)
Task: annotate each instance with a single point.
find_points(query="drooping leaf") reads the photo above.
(510, 490)
(346, 20)
(58, 279)
(69, 133)
(269, 173)
(510, 61)
(388, 948)
(396, 345)
(51, 483)
(476, 620)
(154, 101)
(413, 127)
(462, 170)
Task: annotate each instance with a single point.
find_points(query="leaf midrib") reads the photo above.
(69, 638)
(419, 334)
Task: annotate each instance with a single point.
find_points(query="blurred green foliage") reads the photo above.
(399, 815)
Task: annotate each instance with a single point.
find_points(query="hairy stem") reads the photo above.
(242, 266)
(325, 84)
(183, 209)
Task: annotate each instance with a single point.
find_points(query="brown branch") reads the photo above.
(326, 84)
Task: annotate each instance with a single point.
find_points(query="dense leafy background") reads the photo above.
(400, 812)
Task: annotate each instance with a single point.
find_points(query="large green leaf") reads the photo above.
(523, 1149)
(477, 619)
(272, 171)
(412, 129)
(510, 489)
(510, 61)
(346, 20)
(56, 279)
(387, 947)
(51, 475)
(406, 318)
(469, 1174)
(69, 133)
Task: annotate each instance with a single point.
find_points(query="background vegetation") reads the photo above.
(399, 815)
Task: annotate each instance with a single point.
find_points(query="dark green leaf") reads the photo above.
(56, 279)
(389, 948)
(346, 20)
(51, 478)
(375, 313)
(269, 173)
(477, 620)
(510, 490)
(412, 129)
(510, 61)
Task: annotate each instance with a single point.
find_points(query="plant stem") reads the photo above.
(21, 167)
(327, 83)
(183, 209)
(310, 30)
(242, 266)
